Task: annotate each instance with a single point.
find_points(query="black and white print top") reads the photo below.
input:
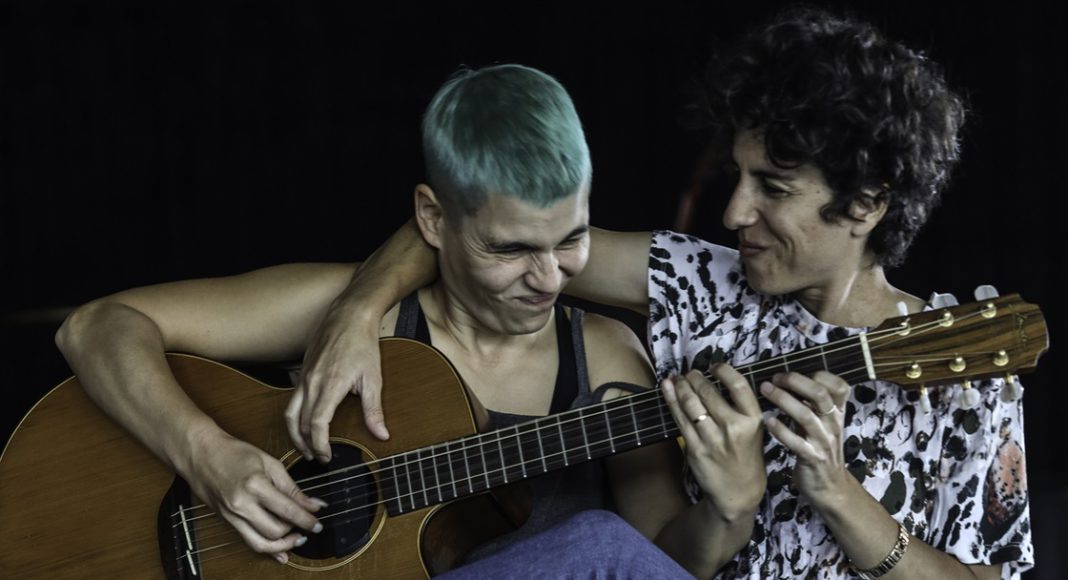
(955, 477)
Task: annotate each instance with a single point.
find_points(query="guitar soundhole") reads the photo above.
(351, 492)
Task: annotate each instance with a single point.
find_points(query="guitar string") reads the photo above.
(374, 505)
(658, 410)
(755, 368)
(441, 488)
(501, 436)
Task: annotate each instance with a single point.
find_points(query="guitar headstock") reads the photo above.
(992, 337)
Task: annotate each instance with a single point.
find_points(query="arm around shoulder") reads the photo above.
(616, 273)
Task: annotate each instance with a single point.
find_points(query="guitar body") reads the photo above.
(80, 498)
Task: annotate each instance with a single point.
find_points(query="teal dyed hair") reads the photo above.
(505, 129)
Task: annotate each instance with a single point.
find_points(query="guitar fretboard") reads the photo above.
(477, 463)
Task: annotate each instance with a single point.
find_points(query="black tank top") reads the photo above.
(560, 494)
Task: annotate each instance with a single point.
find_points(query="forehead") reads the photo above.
(504, 218)
(750, 153)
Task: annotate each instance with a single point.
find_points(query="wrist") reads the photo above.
(730, 515)
(200, 439)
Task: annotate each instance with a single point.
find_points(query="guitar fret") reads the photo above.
(541, 450)
(608, 428)
(452, 475)
(408, 477)
(661, 409)
(500, 450)
(467, 467)
(519, 446)
(823, 357)
(634, 421)
(485, 463)
(422, 480)
(585, 439)
(563, 445)
(440, 455)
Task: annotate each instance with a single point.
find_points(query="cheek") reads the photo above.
(497, 277)
(573, 261)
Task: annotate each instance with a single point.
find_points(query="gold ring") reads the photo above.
(833, 409)
(701, 418)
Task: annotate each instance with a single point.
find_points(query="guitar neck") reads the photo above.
(477, 463)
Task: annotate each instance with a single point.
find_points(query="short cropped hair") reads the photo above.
(505, 129)
(867, 111)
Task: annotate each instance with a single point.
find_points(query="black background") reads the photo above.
(142, 142)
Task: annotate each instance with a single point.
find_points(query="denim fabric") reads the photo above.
(592, 545)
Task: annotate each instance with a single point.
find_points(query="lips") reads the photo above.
(748, 249)
(539, 300)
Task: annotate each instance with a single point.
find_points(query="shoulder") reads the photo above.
(614, 353)
(679, 263)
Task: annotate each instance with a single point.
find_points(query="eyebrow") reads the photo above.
(768, 174)
(499, 246)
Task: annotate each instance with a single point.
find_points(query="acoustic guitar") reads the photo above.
(79, 498)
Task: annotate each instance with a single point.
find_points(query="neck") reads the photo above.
(865, 298)
(454, 322)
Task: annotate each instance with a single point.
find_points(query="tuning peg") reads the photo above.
(925, 400)
(902, 308)
(1010, 392)
(985, 292)
(943, 300)
(969, 397)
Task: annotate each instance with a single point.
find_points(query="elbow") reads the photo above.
(80, 324)
(74, 327)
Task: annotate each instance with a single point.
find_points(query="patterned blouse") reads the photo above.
(954, 477)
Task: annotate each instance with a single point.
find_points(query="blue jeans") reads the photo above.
(593, 545)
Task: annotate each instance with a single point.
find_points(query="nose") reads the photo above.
(545, 275)
(741, 210)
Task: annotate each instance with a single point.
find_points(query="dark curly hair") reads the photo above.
(868, 112)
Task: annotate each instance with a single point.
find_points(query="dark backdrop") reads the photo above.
(143, 142)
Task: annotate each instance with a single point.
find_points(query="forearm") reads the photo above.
(866, 533)
(401, 266)
(703, 540)
(616, 272)
(118, 355)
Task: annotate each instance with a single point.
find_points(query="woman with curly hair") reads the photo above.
(841, 142)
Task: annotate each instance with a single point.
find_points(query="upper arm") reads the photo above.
(616, 271)
(266, 314)
(646, 482)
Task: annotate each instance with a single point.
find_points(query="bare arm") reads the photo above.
(645, 482)
(116, 346)
(343, 355)
(859, 523)
(616, 272)
(724, 452)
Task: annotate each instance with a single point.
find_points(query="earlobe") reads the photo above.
(868, 211)
(429, 215)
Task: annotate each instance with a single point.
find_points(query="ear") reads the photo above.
(429, 215)
(867, 211)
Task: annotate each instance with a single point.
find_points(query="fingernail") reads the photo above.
(323, 458)
(308, 456)
(319, 502)
(317, 528)
(281, 558)
(301, 541)
(767, 388)
(667, 386)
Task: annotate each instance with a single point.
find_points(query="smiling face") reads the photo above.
(784, 242)
(506, 264)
